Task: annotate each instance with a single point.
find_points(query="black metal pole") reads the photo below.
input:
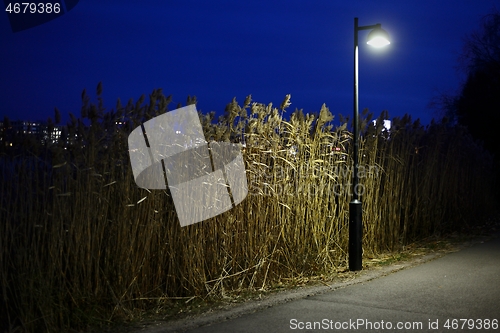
(355, 209)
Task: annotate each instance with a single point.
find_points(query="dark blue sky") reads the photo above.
(218, 50)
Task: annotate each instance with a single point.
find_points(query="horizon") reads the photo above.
(218, 52)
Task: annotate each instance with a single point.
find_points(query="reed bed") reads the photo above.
(81, 245)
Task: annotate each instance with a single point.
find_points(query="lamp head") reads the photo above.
(378, 37)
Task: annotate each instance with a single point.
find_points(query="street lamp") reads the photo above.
(377, 38)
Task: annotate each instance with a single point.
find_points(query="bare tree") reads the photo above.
(477, 104)
(481, 49)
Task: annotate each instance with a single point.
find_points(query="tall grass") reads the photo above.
(81, 244)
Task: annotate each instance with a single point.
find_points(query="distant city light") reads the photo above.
(39, 129)
(387, 124)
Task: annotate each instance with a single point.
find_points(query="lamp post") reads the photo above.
(377, 38)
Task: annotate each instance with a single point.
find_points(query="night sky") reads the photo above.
(218, 50)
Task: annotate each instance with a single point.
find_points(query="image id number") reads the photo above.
(471, 324)
(32, 8)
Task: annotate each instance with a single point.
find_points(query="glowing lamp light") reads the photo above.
(378, 37)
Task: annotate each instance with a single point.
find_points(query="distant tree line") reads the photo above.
(477, 104)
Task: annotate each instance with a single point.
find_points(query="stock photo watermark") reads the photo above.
(25, 15)
(278, 181)
(204, 179)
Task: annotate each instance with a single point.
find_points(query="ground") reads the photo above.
(191, 312)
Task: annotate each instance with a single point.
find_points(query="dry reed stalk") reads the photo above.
(81, 245)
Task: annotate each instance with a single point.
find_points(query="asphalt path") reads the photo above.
(457, 292)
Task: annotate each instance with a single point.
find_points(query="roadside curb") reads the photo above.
(235, 310)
